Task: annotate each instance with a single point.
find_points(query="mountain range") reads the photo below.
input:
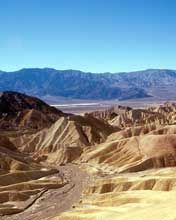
(74, 84)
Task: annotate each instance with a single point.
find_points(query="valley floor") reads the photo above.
(55, 201)
(141, 195)
(84, 106)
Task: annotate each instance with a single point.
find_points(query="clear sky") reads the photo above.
(89, 35)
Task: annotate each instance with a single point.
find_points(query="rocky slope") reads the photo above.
(21, 111)
(79, 85)
(127, 117)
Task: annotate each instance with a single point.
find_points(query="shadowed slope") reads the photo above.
(21, 111)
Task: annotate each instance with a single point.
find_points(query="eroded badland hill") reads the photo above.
(114, 164)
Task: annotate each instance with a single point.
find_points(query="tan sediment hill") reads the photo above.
(135, 149)
(126, 159)
(110, 113)
(143, 195)
(66, 139)
(138, 117)
(142, 130)
(133, 177)
(133, 174)
(133, 131)
(22, 180)
(127, 117)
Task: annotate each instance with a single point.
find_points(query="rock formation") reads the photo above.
(113, 164)
(21, 111)
(22, 180)
(66, 139)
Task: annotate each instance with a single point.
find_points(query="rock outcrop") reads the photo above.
(19, 111)
(66, 139)
(127, 117)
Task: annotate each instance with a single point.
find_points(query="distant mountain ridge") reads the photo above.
(80, 85)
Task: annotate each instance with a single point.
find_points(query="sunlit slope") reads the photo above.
(144, 195)
(134, 154)
(66, 139)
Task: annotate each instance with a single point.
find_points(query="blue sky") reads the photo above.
(90, 35)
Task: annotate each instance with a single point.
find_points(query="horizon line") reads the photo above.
(107, 72)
